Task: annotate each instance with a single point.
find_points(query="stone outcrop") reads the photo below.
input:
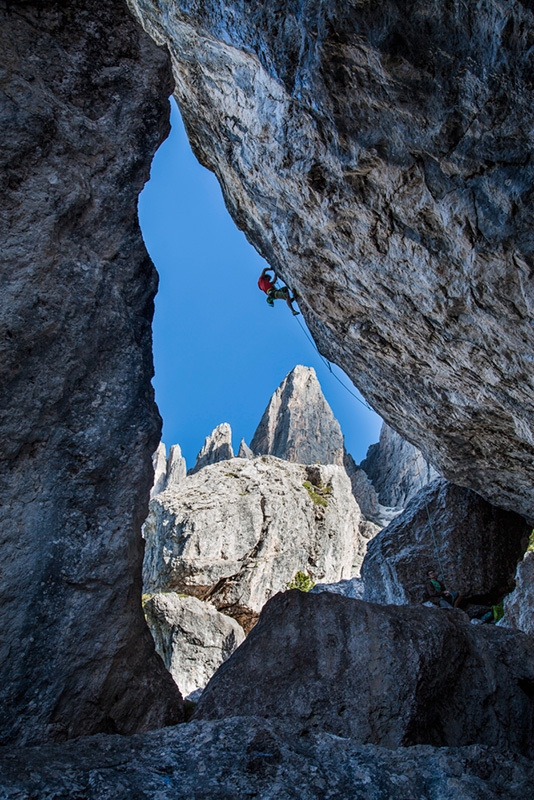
(217, 447)
(379, 155)
(519, 605)
(474, 544)
(396, 469)
(363, 490)
(353, 587)
(238, 531)
(192, 638)
(176, 466)
(254, 757)
(298, 424)
(383, 675)
(244, 450)
(159, 465)
(83, 107)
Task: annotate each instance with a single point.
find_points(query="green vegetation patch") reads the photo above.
(530, 548)
(318, 494)
(302, 581)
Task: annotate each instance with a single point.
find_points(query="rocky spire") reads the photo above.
(217, 447)
(298, 424)
(244, 450)
(159, 465)
(176, 466)
(396, 468)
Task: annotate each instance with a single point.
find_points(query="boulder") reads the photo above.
(519, 605)
(237, 532)
(379, 155)
(298, 424)
(471, 544)
(396, 469)
(217, 447)
(243, 757)
(382, 675)
(192, 638)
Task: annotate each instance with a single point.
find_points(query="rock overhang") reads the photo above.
(382, 162)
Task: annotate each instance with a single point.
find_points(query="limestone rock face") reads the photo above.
(237, 532)
(363, 490)
(176, 466)
(518, 606)
(254, 757)
(379, 674)
(83, 107)
(192, 638)
(477, 545)
(298, 424)
(217, 447)
(159, 465)
(353, 587)
(379, 155)
(396, 469)
(244, 450)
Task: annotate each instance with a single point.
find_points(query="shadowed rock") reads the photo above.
(475, 545)
(84, 98)
(519, 605)
(244, 450)
(397, 469)
(253, 757)
(379, 674)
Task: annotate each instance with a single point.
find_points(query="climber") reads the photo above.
(438, 594)
(267, 285)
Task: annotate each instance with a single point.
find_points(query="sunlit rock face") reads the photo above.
(236, 532)
(83, 107)
(378, 154)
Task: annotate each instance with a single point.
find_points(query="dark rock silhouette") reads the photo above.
(84, 98)
(453, 530)
(383, 675)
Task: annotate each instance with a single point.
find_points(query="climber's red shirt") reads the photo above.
(265, 283)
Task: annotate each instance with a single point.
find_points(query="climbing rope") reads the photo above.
(325, 361)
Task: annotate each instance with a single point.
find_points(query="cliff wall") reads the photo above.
(379, 155)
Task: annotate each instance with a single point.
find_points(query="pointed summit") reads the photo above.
(298, 424)
(217, 447)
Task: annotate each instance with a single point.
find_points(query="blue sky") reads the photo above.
(219, 350)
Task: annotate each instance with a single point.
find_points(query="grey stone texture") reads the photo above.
(253, 757)
(396, 469)
(237, 531)
(217, 447)
(471, 544)
(379, 156)
(176, 466)
(385, 675)
(159, 465)
(192, 638)
(519, 605)
(298, 424)
(83, 107)
(244, 450)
